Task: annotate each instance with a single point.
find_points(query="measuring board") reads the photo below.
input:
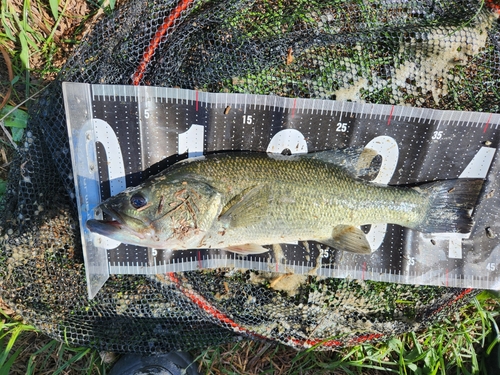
(121, 135)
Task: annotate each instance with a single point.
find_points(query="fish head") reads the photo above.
(160, 213)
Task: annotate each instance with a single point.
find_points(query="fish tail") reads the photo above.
(450, 205)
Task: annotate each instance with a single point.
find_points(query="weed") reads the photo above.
(25, 350)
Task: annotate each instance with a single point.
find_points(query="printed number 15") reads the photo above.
(248, 119)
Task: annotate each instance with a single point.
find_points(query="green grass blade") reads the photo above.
(54, 8)
(68, 364)
(24, 55)
(34, 360)
(7, 22)
(5, 367)
(14, 329)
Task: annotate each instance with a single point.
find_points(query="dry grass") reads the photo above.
(255, 358)
(247, 358)
(34, 44)
(49, 39)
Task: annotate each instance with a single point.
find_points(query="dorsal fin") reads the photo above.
(358, 161)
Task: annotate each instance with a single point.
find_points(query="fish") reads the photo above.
(243, 201)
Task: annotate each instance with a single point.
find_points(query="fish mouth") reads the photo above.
(114, 225)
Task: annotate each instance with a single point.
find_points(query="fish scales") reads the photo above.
(243, 201)
(306, 192)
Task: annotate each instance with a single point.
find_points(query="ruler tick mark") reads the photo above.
(460, 118)
(441, 119)
(411, 112)
(400, 113)
(470, 118)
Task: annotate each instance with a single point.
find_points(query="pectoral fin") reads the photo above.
(348, 238)
(247, 249)
(247, 208)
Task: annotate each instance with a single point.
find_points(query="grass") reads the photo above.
(25, 350)
(38, 35)
(35, 36)
(457, 345)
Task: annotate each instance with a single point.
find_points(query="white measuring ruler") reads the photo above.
(120, 135)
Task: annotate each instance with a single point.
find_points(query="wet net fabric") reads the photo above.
(438, 54)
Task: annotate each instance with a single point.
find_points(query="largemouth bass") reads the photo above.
(242, 201)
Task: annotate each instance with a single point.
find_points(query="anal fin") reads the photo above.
(348, 238)
(246, 249)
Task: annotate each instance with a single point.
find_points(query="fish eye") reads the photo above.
(138, 200)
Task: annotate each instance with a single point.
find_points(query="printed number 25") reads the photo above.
(341, 127)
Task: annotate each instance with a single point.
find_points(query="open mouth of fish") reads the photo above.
(111, 223)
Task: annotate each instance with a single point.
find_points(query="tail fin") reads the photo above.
(450, 205)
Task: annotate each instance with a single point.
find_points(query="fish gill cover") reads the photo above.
(440, 54)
